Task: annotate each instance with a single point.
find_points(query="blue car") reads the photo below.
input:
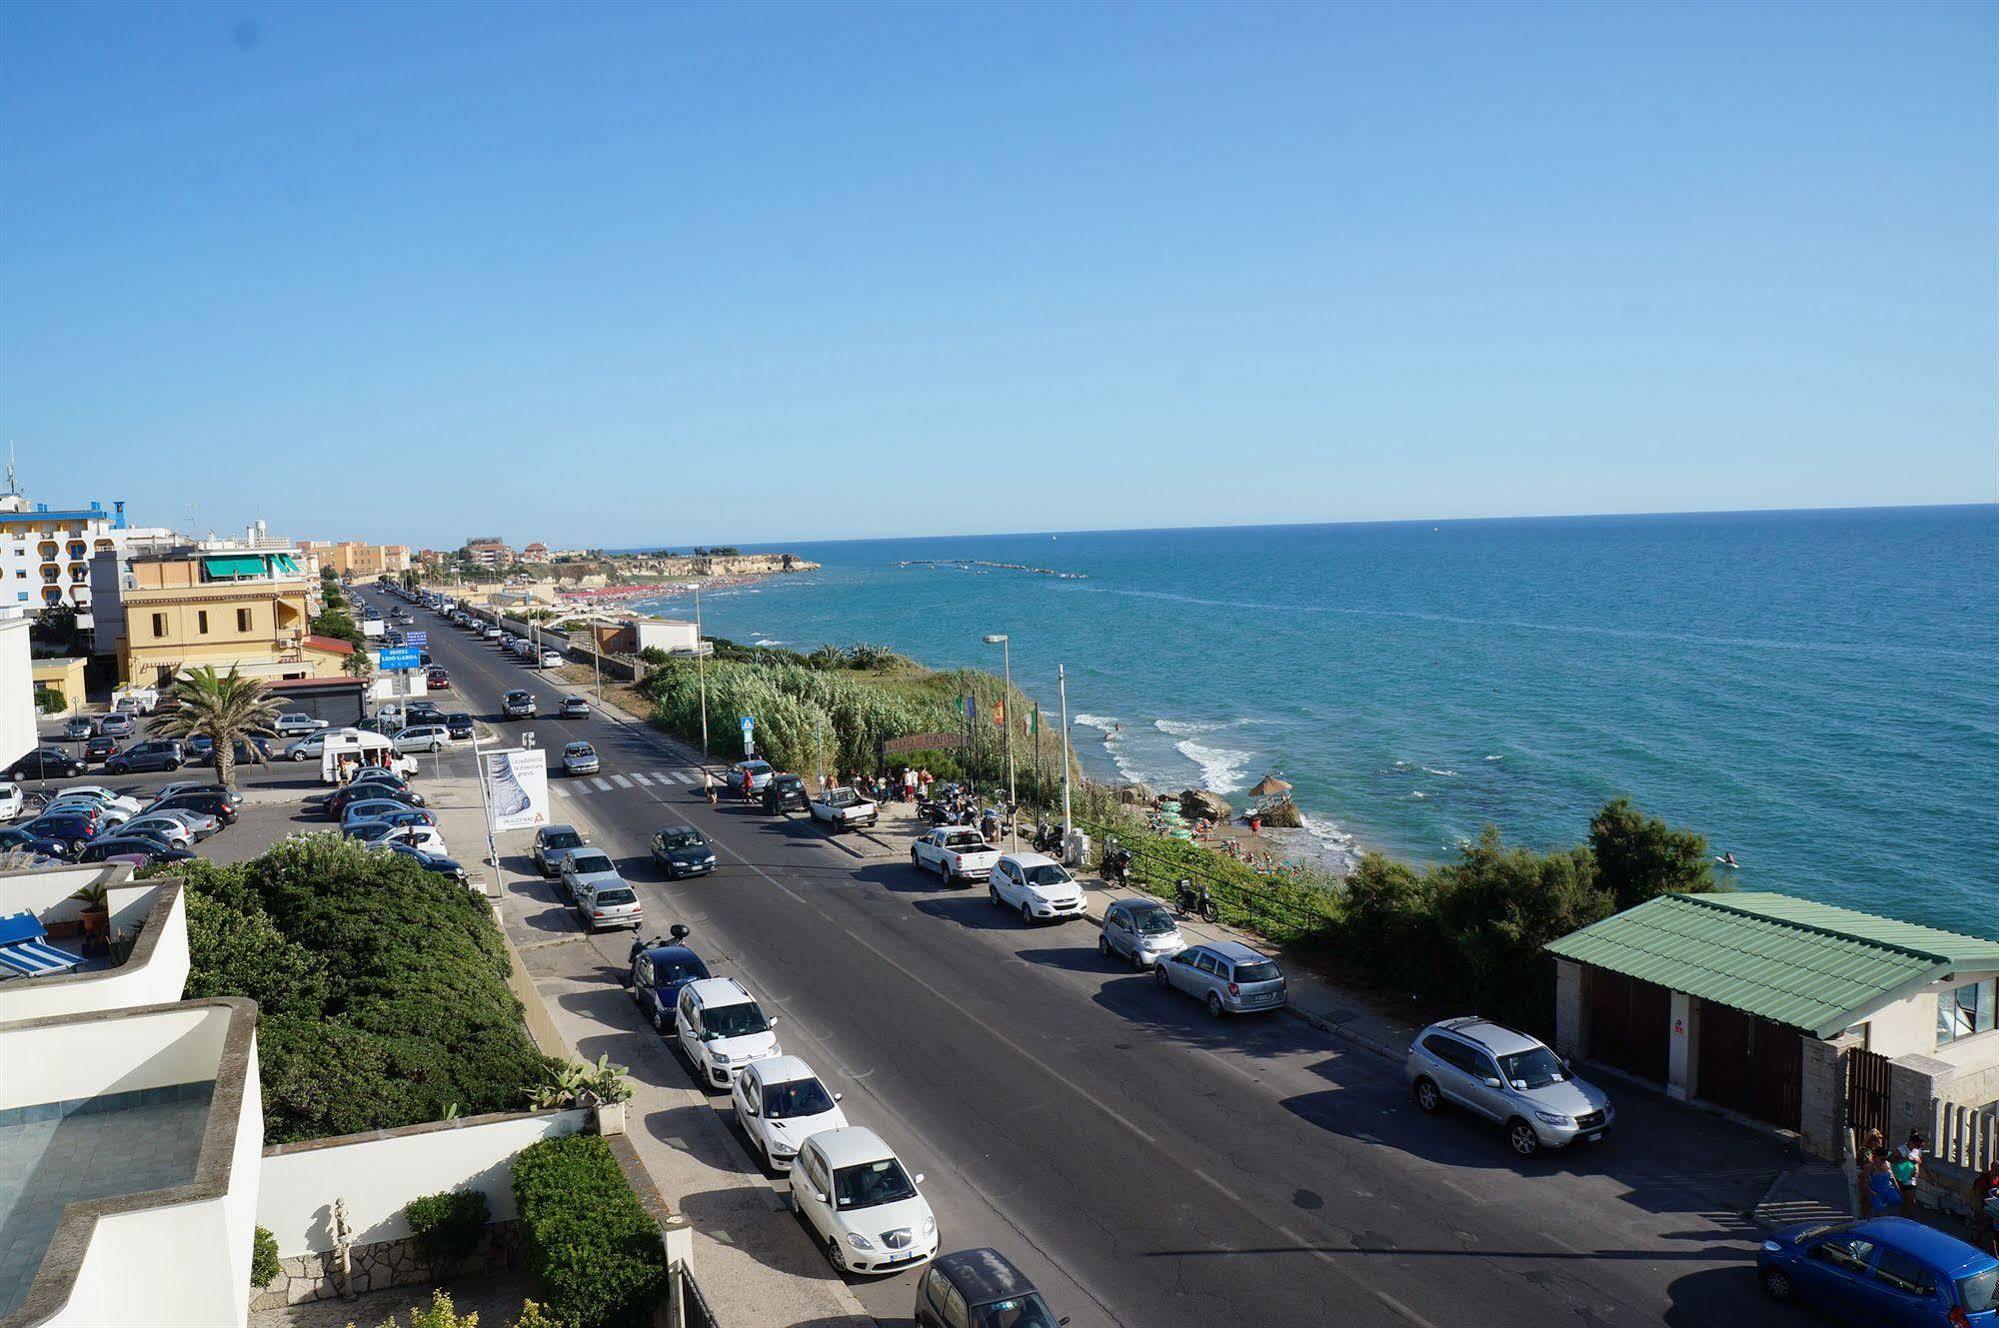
(1886, 1271)
(12, 839)
(659, 971)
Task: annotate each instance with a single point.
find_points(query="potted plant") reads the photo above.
(96, 917)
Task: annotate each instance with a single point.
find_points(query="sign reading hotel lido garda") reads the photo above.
(391, 658)
(517, 780)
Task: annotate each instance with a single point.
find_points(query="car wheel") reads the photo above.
(1520, 1137)
(659, 1021)
(1427, 1096)
(1026, 917)
(1137, 961)
(833, 1255)
(1777, 1284)
(1159, 974)
(76, 849)
(1214, 1005)
(173, 765)
(117, 768)
(792, 1199)
(1103, 946)
(992, 893)
(298, 756)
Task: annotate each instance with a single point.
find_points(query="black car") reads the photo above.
(458, 724)
(434, 862)
(157, 754)
(370, 790)
(517, 704)
(786, 793)
(74, 829)
(98, 748)
(12, 840)
(222, 806)
(422, 712)
(46, 763)
(146, 846)
(980, 1287)
(659, 970)
(683, 851)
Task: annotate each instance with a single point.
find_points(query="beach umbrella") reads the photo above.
(1269, 786)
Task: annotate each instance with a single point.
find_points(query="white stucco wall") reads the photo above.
(45, 891)
(378, 1174)
(155, 977)
(17, 692)
(111, 1055)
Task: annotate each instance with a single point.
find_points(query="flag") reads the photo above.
(971, 711)
(999, 712)
(1034, 720)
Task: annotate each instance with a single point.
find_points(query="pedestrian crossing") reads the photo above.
(578, 788)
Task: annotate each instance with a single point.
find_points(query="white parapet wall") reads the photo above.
(154, 973)
(379, 1173)
(17, 692)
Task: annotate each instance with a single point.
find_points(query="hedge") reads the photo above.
(447, 1226)
(594, 1252)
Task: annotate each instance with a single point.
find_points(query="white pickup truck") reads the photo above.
(843, 809)
(954, 852)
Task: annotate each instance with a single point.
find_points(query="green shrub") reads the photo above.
(447, 1226)
(50, 701)
(263, 1259)
(593, 1250)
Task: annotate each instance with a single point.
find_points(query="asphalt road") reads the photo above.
(1143, 1162)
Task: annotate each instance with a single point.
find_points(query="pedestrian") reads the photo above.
(1907, 1164)
(908, 784)
(1874, 1140)
(1985, 1209)
(1884, 1197)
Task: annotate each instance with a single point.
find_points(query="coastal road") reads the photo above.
(1143, 1162)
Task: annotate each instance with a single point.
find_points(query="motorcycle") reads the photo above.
(1117, 864)
(1188, 900)
(1047, 838)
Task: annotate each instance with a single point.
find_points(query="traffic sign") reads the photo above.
(416, 638)
(749, 736)
(398, 657)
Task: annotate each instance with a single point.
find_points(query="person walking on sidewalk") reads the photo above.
(1985, 1209)
(1907, 1164)
(1884, 1196)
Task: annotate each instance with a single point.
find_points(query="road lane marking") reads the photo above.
(621, 781)
(643, 781)
(558, 790)
(602, 784)
(683, 776)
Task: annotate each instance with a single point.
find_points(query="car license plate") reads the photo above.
(1594, 1138)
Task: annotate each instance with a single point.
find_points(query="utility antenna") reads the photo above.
(13, 489)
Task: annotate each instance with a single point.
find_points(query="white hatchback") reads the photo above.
(780, 1104)
(1037, 887)
(721, 1029)
(863, 1208)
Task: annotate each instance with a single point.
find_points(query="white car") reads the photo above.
(780, 1104)
(175, 832)
(493, 633)
(1037, 887)
(199, 824)
(424, 837)
(109, 814)
(296, 725)
(863, 1208)
(551, 659)
(954, 852)
(12, 803)
(721, 1028)
(843, 809)
(585, 867)
(99, 794)
(423, 738)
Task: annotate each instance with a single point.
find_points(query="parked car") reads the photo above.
(224, 807)
(197, 824)
(760, 773)
(110, 816)
(117, 724)
(785, 793)
(579, 758)
(160, 826)
(955, 853)
(102, 796)
(982, 1288)
(721, 1028)
(46, 763)
(423, 711)
(98, 748)
(437, 680)
(1887, 1271)
(843, 808)
(459, 725)
(145, 848)
(601, 903)
(296, 724)
(13, 839)
(423, 738)
(392, 810)
(780, 1103)
(78, 728)
(492, 633)
(425, 837)
(659, 971)
(180, 786)
(1140, 930)
(517, 704)
(72, 829)
(156, 754)
(200, 749)
(1226, 976)
(552, 844)
(683, 851)
(305, 749)
(864, 1210)
(551, 659)
(581, 866)
(430, 862)
(335, 804)
(12, 801)
(574, 707)
(1035, 886)
(1508, 1077)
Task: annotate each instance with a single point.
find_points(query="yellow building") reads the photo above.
(63, 676)
(246, 609)
(353, 559)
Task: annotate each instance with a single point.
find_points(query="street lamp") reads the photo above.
(1005, 644)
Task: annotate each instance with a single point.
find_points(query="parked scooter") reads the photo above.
(1047, 838)
(1187, 900)
(679, 932)
(1117, 863)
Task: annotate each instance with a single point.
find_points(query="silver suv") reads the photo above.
(1508, 1077)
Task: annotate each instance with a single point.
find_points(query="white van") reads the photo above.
(363, 747)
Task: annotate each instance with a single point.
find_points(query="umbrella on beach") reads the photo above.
(1269, 786)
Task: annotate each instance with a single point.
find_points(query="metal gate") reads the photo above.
(1866, 1092)
(1749, 1065)
(1630, 1023)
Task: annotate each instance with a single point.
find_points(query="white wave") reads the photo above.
(1404, 765)
(1186, 728)
(1447, 774)
(766, 641)
(1222, 768)
(1326, 832)
(1419, 795)
(1495, 758)
(1102, 723)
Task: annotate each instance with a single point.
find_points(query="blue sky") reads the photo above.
(631, 274)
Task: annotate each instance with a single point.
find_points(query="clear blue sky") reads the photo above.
(628, 274)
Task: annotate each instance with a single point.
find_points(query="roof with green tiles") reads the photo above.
(1810, 966)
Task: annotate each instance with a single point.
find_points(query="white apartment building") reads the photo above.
(45, 553)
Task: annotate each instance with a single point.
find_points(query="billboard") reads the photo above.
(391, 658)
(416, 638)
(517, 780)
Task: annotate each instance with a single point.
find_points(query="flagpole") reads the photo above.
(1062, 687)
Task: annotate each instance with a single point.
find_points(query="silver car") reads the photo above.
(1511, 1079)
(1226, 976)
(1140, 930)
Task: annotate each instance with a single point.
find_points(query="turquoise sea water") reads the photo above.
(1817, 691)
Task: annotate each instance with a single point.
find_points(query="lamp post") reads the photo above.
(701, 671)
(1062, 689)
(1005, 644)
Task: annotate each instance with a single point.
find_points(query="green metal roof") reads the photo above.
(1806, 965)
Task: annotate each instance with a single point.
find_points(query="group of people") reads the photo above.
(1890, 1182)
(349, 766)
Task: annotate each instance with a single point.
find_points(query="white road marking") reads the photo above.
(558, 790)
(683, 776)
(621, 781)
(643, 781)
(603, 784)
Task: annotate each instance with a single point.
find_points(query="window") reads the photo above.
(159, 624)
(201, 621)
(1849, 1252)
(20, 574)
(955, 1313)
(1903, 1273)
(1964, 1011)
(242, 620)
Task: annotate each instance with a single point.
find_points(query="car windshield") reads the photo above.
(755, 767)
(733, 1020)
(1152, 922)
(580, 749)
(1256, 970)
(1028, 1311)
(682, 838)
(561, 839)
(871, 1184)
(964, 839)
(1980, 1291)
(1536, 1068)
(800, 1097)
(585, 863)
(1045, 874)
(616, 895)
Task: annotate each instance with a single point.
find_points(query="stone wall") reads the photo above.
(376, 1267)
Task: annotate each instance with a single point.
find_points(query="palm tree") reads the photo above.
(225, 708)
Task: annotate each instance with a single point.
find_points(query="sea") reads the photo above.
(1816, 691)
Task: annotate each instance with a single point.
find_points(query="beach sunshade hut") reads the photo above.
(1270, 786)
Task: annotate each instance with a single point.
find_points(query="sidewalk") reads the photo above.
(751, 1256)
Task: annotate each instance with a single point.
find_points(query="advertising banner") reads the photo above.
(518, 782)
(392, 658)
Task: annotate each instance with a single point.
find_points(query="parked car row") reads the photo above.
(92, 823)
